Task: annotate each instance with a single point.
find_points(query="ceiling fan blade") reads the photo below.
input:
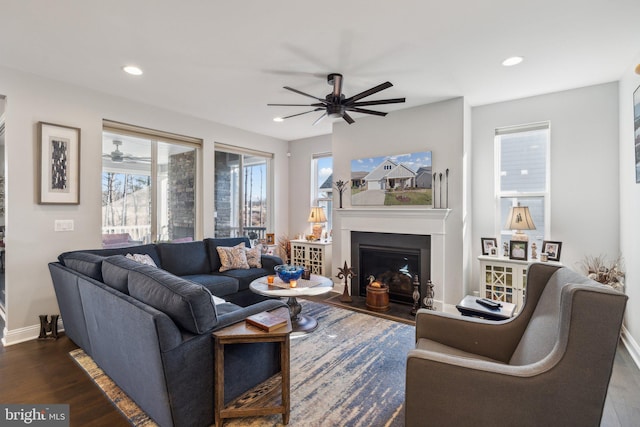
(366, 111)
(369, 92)
(317, 104)
(305, 94)
(319, 119)
(378, 102)
(299, 114)
(347, 118)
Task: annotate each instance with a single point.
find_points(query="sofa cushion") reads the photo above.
(217, 284)
(189, 304)
(212, 244)
(245, 277)
(149, 249)
(183, 259)
(115, 272)
(254, 256)
(232, 258)
(85, 263)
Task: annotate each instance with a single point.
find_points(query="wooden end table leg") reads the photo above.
(218, 385)
(284, 368)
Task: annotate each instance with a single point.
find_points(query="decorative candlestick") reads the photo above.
(447, 185)
(416, 295)
(428, 299)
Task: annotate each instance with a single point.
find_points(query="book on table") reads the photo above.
(266, 321)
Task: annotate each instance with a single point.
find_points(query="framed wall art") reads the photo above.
(552, 249)
(271, 239)
(58, 164)
(402, 179)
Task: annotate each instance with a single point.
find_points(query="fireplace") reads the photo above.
(393, 259)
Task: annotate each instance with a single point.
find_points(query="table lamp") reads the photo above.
(317, 217)
(519, 219)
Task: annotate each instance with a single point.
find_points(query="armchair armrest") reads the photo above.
(493, 339)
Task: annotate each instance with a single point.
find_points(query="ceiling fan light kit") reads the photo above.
(336, 105)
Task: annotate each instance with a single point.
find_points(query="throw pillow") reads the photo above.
(142, 259)
(253, 256)
(232, 258)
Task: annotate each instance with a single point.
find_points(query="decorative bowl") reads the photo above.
(287, 272)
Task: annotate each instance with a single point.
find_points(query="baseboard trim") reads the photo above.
(632, 346)
(27, 333)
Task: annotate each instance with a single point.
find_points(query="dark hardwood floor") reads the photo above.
(41, 372)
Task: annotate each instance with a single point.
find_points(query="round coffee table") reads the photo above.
(316, 285)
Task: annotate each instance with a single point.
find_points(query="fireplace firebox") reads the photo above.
(393, 259)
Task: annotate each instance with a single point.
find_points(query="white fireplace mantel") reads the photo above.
(426, 219)
(423, 221)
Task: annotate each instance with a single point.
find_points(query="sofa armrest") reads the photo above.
(270, 261)
(239, 315)
(493, 339)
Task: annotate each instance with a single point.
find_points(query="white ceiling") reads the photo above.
(225, 60)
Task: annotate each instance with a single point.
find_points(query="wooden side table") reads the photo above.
(241, 332)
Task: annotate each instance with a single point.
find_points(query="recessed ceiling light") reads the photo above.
(278, 119)
(133, 70)
(514, 60)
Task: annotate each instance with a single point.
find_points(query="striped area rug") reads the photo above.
(348, 372)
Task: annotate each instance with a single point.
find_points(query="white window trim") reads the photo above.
(498, 195)
(314, 179)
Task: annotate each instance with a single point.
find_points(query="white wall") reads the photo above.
(629, 208)
(584, 168)
(302, 151)
(30, 240)
(437, 127)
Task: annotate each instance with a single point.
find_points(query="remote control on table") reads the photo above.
(489, 303)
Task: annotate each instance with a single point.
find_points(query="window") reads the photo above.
(242, 192)
(322, 185)
(522, 176)
(148, 186)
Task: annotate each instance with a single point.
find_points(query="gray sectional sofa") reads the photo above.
(149, 328)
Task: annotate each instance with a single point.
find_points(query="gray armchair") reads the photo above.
(549, 365)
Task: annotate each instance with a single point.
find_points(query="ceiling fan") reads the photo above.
(335, 104)
(118, 156)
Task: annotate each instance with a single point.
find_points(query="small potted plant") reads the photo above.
(608, 273)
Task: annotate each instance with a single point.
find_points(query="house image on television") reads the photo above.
(391, 175)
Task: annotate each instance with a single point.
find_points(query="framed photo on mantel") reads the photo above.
(58, 164)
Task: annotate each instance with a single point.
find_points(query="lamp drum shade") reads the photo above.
(519, 219)
(317, 215)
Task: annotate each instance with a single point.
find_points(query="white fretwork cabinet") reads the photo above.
(504, 279)
(315, 255)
